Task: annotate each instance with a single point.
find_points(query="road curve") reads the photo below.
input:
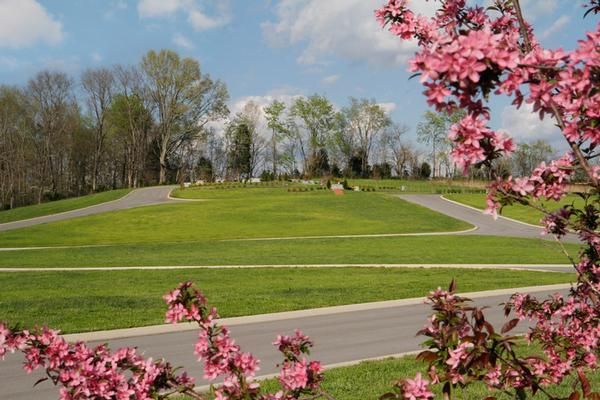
(340, 337)
(135, 198)
(486, 225)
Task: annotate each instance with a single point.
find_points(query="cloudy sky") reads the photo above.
(262, 49)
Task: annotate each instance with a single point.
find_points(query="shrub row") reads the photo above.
(305, 189)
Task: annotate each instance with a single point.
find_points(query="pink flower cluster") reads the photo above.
(467, 348)
(466, 54)
(223, 358)
(91, 373)
(567, 329)
(460, 67)
(476, 142)
(416, 389)
(298, 374)
(563, 84)
(301, 375)
(547, 181)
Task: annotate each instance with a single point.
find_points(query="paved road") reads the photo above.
(136, 198)
(486, 225)
(340, 337)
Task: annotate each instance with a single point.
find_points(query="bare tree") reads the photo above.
(53, 111)
(366, 120)
(98, 85)
(530, 155)
(434, 132)
(395, 149)
(16, 158)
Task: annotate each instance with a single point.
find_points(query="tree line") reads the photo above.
(307, 137)
(164, 121)
(124, 126)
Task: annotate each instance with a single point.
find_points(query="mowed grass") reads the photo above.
(59, 206)
(369, 380)
(517, 211)
(453, 249)
(241, 213)
(98, 300)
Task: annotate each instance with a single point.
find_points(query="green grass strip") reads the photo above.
(371, 379)
(59, 206)
(464, 249)
(99, 300)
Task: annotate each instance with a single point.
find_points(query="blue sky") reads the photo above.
(262, 49)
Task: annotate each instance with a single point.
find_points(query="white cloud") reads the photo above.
(330, 80)
(524, 125)
(196, 16)
(556, 26)
(342, 28)
(202, 22)
(26, 22)
(159, 8)
(388, 107)
(285, 95)
(182, 41)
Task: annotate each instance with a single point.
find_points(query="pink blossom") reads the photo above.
(416, 389)
(294, 375)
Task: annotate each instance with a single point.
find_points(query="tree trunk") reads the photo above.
(94, 174)
(274, 150)
(163, 174)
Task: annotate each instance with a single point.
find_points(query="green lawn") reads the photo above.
(392, 250)
(59, 206)
(241, 213)
(369, 380)
(516, 211)
(98, 300)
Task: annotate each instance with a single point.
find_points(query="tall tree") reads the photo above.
(530, 155)
(131, 121)
(366, 120)
(54, 112)
(184, 100)
(275, 122)
(433, 131)
(16, 158)
(239, 138)
(98, 85)
(317, 119)
(130, 124)
(395, 148)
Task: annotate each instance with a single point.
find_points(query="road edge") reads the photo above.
(499, 216)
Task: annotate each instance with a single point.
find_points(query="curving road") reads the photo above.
(135, 198)
(340, 337)
(486, 225)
